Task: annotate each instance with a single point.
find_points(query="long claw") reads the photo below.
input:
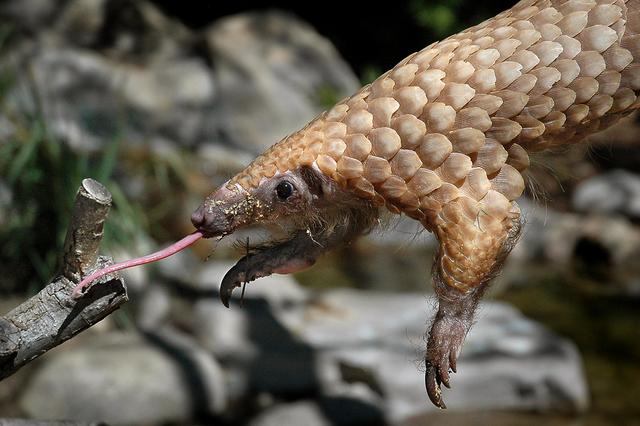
(225, 296)
(226, 290)
(432, 383)
(453, 360)
(443, 372)
(232, 279)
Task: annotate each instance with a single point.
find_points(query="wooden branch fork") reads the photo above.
(53, 316)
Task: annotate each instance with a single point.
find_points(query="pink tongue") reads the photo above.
(78, 290)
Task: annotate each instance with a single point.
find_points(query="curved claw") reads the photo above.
(229, 283)
(432, 383)
(443, 373)
(445, 340)
(453, 361)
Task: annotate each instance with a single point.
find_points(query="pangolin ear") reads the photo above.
(317, 184)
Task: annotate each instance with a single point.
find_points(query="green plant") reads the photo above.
(43, 174)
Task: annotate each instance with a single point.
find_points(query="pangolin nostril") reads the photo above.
(198, 218)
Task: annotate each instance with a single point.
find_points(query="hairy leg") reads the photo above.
(470, 255)
(447, 334)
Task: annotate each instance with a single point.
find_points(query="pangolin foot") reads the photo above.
(445, 341)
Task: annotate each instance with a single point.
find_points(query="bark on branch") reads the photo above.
(52, 316)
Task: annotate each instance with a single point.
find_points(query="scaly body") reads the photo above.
(443, 138)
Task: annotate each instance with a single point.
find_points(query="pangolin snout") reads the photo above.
(218, 214)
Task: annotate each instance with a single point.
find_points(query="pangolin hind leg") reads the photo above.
(471, 253)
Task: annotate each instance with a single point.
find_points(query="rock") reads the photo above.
(154, 308)
(294, 413)
(248, 338)
(324, 412)
(617, 191)
(260, 354)
(553, 236)
(129, 30)
(204, 278)
(599, 243)
(218, 160)
(272, 70)
(224, 332)
(29, 15)
(89, 98)
(104, 69)
(31, 422)
(377, 339)
(123, 378)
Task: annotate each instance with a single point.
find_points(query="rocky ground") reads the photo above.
(340, 344)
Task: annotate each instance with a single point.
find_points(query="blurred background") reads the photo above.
(162, 101)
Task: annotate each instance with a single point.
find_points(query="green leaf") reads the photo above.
(25, 154)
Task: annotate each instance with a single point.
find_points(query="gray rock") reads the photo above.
(554, 239)
(130, 30)
(271, 69)
(508, 362)
(306, 413)
(122, 378)
(395, 256)
(31, 422)
(218, 160)
(88, 98)
(617, 191)
(336, 411)
(30, 15)
(224, 332)
(247, 338)
(154, 308)
(103, 70)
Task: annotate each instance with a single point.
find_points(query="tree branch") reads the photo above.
(52, 316)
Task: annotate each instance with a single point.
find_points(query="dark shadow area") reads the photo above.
(110, 290)
(198, 392)
(592, 258)
(284, 367)
(363, 35)
(351, 412)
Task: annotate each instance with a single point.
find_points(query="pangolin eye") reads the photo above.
(284, 190)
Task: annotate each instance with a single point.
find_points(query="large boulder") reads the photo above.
(273, 71)
(615, 192)
(104, 70)
(128, 379)
(508, 362)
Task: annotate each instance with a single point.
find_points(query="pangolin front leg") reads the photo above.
(297, 253)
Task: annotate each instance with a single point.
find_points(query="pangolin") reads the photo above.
(443, 138)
